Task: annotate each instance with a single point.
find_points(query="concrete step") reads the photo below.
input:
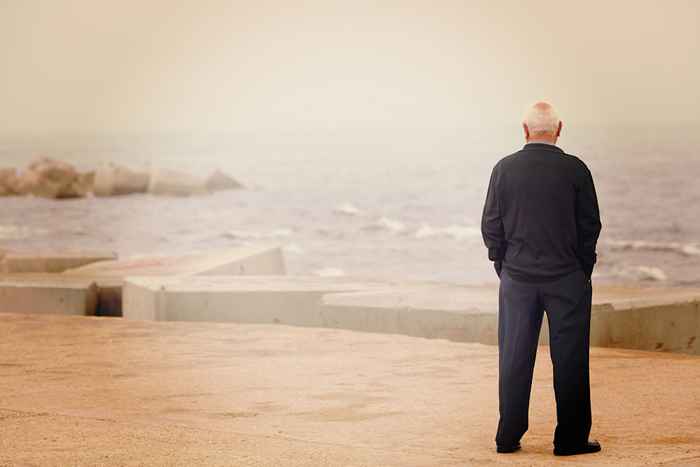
(292, 300)
(109, 275)
(645, 318)
(650, 318)
(48, 293)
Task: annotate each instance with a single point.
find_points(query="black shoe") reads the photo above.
(507, 449)
(587, 448)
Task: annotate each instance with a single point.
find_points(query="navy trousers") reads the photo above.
(567, 302)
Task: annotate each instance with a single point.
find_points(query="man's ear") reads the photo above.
(559, 129)
(527, 131)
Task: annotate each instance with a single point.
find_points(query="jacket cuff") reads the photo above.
(496, 253)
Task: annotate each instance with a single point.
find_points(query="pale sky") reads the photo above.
(205, 65)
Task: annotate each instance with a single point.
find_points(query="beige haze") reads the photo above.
(231, 65)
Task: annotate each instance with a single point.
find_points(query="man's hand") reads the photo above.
(498, 265)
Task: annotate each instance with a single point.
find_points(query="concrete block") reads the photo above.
(663, 319)
(109, 275)
(666, 319)
(259, 299)
(47, 294)
(219, 181)
(116, 180)
(50, 262)
(260, 260)
(636, 318)
(454, 312)
(174, 183)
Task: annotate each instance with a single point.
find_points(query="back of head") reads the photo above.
(541, 120)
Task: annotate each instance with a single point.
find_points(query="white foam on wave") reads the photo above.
(243, 235)
(456, 232)
(347, 209)
(386, 224)
(686, 249)
(329, 272)
(642, 273)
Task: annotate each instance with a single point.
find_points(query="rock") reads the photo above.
(174, 183)
(50, 178)
(8, 182)
(87, 181)
(116, 180)
(219, 181)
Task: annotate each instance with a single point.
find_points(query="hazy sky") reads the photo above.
(291, 65)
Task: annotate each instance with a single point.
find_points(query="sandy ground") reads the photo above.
(90, 391)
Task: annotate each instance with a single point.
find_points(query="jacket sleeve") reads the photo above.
(492, 223)
(587, 221)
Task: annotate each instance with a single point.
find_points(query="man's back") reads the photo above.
(541, 214)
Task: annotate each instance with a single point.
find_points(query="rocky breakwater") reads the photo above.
(50, 178)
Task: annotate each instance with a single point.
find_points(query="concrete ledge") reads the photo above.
(54, 262)
(458, 313)
(48, 294)
(637, 318)
(252, 299)
(666, 319)
(236, 261)
(109, 275)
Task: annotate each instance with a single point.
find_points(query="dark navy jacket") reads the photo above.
(541, 219)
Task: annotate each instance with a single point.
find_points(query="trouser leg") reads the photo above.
(568, 305)
(519, 320)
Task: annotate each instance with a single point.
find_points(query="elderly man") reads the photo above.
(541, 225)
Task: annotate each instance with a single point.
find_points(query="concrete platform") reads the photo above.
(86, 391)
(50, 262)
(235, 261)
(666, 319)
(48, 294)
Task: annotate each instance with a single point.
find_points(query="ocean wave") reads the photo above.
(386, 224)
(456, 232)
(642, 273)
(347, 209)
(686, 249)
(243, 235)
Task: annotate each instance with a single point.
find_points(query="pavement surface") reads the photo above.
(96, 391)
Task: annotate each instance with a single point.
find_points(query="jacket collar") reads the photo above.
(542, 146)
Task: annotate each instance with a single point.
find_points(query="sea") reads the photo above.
(398, 204)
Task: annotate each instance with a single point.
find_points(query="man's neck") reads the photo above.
(541, 141)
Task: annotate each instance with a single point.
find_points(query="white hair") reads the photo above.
(541, 118)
